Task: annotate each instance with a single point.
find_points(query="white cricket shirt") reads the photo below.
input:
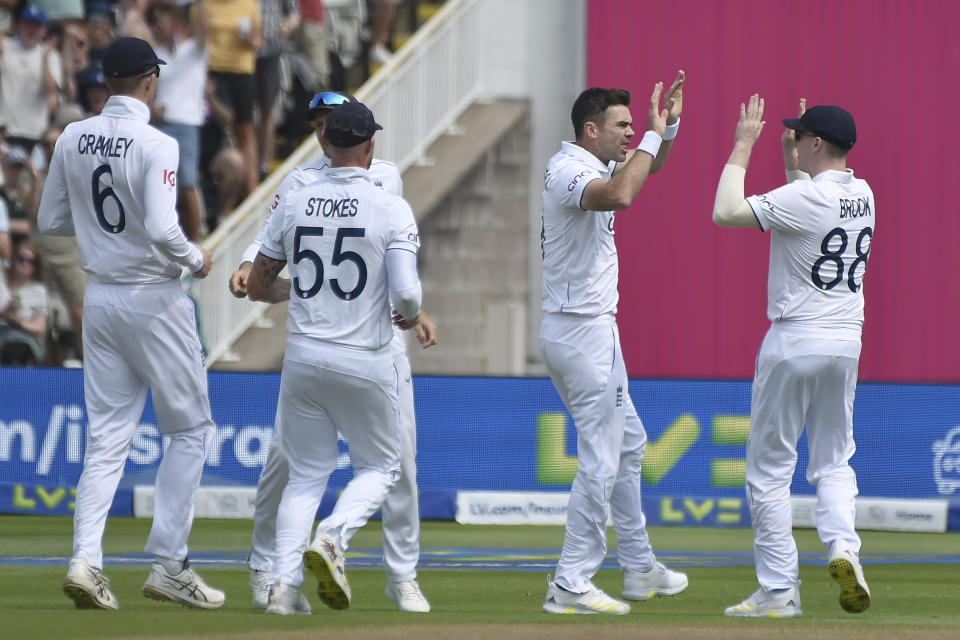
(181, 84)
(23, 102)
(819, 247)
(580, 268)
(334, 235)
(381, 173)
(112, 182)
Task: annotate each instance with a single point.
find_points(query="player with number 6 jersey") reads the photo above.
(821, 225)
(112, 183)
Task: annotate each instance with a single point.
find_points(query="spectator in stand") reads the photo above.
(92, 91)
(40, 156)
(24, 314)
(235, 36)
(30, 78)
(222, 165)
(19, 195)
(75, 56)
(62, 271)
(133, 20)
(311, 39)
(279, 18)
(5, 243)
(100, 24)
(61, 12)
(178, 109)
(8, 14)
(381, 25)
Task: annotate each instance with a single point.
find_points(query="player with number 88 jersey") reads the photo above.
(821, 226)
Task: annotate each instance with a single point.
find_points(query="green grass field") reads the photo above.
(909, 600)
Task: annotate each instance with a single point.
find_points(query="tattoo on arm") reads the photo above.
(267, 268)
(263, 276)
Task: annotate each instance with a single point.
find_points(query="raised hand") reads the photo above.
(657, 119)
(791, 160)
(789, 137)
(751, 121)
(674, 98)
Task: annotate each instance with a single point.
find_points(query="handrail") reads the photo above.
(417, 95)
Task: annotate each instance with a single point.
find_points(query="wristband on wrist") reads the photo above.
(650, 143)
(671, 132)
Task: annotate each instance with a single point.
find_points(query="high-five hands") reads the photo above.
(658, 118)
(674, 98)
(791, 161)
(789, 137)
(751, 121)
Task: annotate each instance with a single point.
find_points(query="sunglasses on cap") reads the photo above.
(326, 99)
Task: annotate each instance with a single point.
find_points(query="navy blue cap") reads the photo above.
(33, 13)
(128, 58)
(350, 124)
(833, 124)
(90, 78)
(100, 8)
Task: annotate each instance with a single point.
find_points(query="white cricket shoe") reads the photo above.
(591, 602)
(186, 588)
(846, 571)
(324, 559)
(286, 599)
(407, 596)
(767, 604)
(659, 581)
(260, 587)
(88, 587)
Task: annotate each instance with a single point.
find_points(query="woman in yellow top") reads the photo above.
(234, 36)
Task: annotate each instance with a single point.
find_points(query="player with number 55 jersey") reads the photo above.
(821, 225)
(348, 244)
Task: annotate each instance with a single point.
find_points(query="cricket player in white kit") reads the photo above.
(584, 185)
(348, 244)
(112, 183)
(821, 224)
(401, 509)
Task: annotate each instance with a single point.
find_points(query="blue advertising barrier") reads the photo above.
(496, 434)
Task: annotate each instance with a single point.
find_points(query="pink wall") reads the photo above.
(693, 295)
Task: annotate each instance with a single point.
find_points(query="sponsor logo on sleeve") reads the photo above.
(577, 179)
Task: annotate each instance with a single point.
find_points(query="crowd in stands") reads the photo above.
(238, 78)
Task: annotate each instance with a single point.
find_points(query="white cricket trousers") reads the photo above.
(585, 362)
(338, 389)
(400, 510)
(801, 380)
(138, 338)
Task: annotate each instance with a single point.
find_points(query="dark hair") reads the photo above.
(156, 7)
(592, 104)
(38, 270)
